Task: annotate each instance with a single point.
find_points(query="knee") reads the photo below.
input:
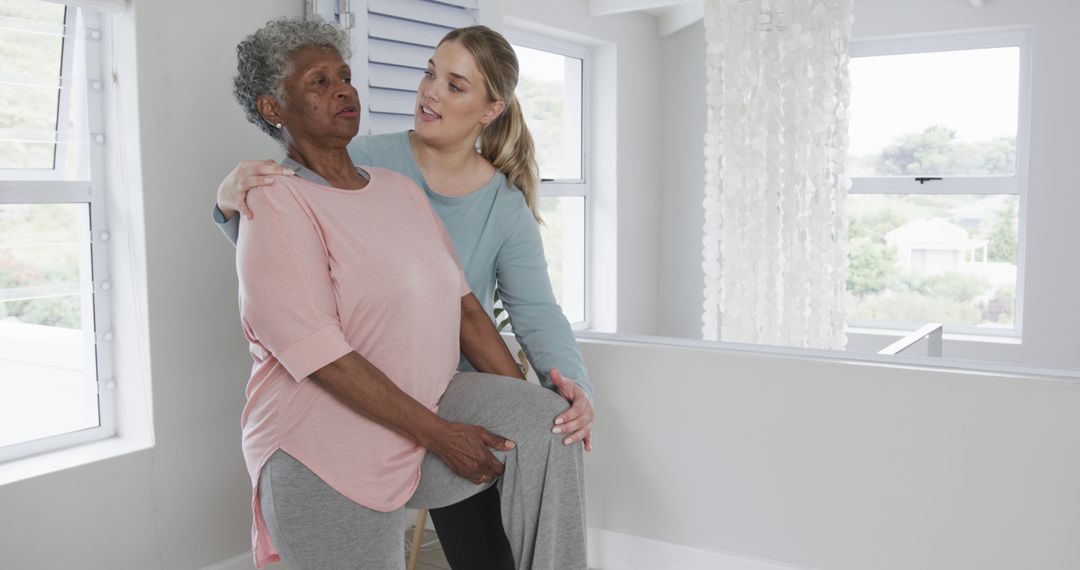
(545, 404)
(536, 413)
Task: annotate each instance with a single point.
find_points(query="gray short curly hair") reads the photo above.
(263, 60)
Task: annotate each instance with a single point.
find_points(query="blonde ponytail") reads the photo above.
(505, 142)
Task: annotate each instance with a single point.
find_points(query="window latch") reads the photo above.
(346, 18)
(925, 179)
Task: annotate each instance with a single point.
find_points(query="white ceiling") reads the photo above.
(671, 15)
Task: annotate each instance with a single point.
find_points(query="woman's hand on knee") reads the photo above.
(577, 421)
(247, 176)
(466, 449)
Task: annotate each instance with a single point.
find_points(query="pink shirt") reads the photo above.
(323, 272)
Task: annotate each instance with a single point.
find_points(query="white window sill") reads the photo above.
(37, 465)
(1046, 373)
(991, 338)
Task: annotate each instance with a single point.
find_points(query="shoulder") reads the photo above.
(520, 231)
(286, 193)
(507, 196)
(284, 206)
(510, 205)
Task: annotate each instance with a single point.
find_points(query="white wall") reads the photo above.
(831, 465)
(1050, 306)
(682, 170)
(185, 503)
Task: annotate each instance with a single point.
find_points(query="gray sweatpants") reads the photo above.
(542, 489)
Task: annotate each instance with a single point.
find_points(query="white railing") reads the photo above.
(930, 331)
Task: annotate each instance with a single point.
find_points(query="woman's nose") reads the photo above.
(431, 92)
(343, 88)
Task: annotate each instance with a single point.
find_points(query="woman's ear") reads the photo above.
(494, 109)
(269, 109)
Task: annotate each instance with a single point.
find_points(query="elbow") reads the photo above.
(471, 311)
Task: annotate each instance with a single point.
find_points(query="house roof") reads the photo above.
(934, 233)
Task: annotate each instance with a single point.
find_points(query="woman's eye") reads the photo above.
(454, 87)
(429, 74)
(348, 80)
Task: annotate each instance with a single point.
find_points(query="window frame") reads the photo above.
(1015, 185)
(569, 187)
(16, 187)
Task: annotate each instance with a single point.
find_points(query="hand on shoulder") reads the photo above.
(249, 175)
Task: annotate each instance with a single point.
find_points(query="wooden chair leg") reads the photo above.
(417, 539)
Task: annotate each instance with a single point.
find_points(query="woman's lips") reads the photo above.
(427, 114)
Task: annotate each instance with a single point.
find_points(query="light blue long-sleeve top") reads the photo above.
(498, 242)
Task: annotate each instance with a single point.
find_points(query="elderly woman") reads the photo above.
(481, 178)
(356, 309)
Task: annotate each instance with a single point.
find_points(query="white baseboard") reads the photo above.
(616, 551)
(239, 562)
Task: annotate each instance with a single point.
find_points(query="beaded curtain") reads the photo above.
(775, 246)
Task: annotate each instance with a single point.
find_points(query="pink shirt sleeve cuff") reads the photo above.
(465, 289)
(314, 351)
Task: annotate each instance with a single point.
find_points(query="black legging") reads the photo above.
(472, 535)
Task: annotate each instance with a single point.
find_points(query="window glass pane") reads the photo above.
(549, 89)
(935, 114)
(933, 258)
(563, 233)
(47, 360)
(31, 45)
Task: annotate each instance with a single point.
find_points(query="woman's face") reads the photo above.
(452, 103)
(321, 105)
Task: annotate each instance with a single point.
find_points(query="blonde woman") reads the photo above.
(487, 201)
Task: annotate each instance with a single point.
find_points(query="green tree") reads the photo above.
(542, 105)
(912, 307)
(38, 247)
(1003, 240)
(26, 105)
(923, 153)
(953, 286)
(872, 267)
(874, 225)
(999, 308)
(936, 151)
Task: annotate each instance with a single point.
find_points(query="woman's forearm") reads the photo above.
(358, 384)
(481, 342)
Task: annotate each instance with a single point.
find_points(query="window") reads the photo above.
(937, 160)
(552, 89)
(55, 368)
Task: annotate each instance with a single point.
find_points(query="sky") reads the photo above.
(974, 92)
(541, 65)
